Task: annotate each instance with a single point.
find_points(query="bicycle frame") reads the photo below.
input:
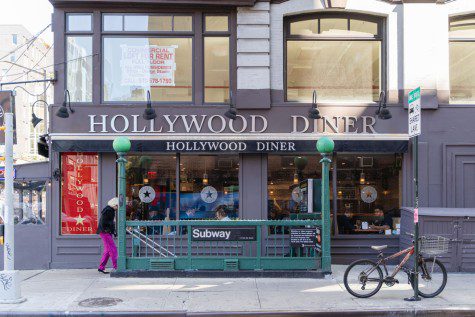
(382, 261)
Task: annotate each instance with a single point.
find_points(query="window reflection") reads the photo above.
(216, 69)
(79, 68)
(209, 183)
(151, 190)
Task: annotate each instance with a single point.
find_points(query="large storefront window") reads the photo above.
(209, 183)
(462, 65)
(29, 201)
(79, 193)
(340, 56)
(368, 194)
(151, 189)
(287, 176)
(159, 53)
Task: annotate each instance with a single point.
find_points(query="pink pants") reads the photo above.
(110, 250)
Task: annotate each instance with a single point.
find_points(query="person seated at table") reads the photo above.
(221, 213)
(345, 223)
(382, 219)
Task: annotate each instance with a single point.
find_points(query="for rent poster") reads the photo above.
(149, 65)
(79, 213)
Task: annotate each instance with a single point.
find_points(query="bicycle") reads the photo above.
(432, 273)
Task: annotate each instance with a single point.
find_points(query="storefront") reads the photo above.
(231, 124)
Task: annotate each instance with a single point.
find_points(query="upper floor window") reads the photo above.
(159, 52)
(462, 65)
(79, 56)
(339, 55)
(14, 39)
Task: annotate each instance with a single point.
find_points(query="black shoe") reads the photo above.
(102, 271)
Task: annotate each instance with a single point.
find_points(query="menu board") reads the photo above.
(79, 192)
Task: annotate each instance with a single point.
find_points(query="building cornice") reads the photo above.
(158, 2)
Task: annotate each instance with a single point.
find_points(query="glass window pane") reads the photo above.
(462, 68)
(285, 176)
(29, 201)
(79, 68)
(338, 70)
(113, 22)
(368, 196)
(182, 23)
(462, 28)
(216, 23)
(307, 27)
(79, 22)
(208, 183)
(216, 69)
(155, 174)
(363, 28)
(333, 26)
(79, 193)
(134, 65)
(147, 23)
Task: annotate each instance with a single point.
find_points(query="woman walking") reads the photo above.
(106, 229)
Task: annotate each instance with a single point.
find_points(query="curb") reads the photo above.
(220, 274)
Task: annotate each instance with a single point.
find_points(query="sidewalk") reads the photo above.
(79, 290)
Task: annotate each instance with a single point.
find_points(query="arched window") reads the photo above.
(337, 54)
(462, 64)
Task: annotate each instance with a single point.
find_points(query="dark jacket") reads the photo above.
(106, 221)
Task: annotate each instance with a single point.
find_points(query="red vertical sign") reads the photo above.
(79, 192)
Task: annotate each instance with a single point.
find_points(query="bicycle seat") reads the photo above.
(379, 247)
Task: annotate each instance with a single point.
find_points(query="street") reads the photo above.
(82, 291)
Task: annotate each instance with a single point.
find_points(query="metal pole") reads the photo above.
(10, 292)
(45, 109)
(121, 261)
(326, 223)
(415, 154)
(9, 257)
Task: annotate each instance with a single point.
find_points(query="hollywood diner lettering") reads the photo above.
(185, 123)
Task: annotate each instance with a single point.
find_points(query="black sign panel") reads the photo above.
(303, 237)
(201, 233)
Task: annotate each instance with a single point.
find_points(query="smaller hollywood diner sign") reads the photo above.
(223, 233)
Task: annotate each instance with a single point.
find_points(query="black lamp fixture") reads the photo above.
(63, 110)
(149, 113)
(231, 113)
(34, 119)
(383, 112)
(314, 113)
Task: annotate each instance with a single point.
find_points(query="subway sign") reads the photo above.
(241, 233)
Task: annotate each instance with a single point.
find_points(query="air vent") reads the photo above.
(231, 265)
(162, 264)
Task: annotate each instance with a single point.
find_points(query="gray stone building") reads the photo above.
(242, 89)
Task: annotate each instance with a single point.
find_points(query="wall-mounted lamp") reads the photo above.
(314, 113)
(63, 110)
(296, 178)
(383, 112)
(149, 113)
(231, 113)
(362, 178)
(34, 119)
(205, 179)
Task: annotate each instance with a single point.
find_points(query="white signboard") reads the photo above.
(146, 194)
(148, 65)
(415, 112)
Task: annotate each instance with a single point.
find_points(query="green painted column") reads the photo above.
(325, 146)
(121, 146)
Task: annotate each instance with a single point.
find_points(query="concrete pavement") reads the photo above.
(88, 291)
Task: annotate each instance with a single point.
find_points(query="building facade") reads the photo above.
(25, 58)
(277, 64)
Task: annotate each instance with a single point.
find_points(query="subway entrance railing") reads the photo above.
(225, 245)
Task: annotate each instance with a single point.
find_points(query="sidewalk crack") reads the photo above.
(257, 291)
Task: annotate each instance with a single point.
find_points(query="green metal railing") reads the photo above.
(169, 245)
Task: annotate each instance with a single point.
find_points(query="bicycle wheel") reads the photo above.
(432, 277)
(363, 278)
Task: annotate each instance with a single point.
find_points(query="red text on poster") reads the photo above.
(79, 192)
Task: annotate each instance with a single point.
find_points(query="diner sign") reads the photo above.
(149, 65)
(201, 233)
